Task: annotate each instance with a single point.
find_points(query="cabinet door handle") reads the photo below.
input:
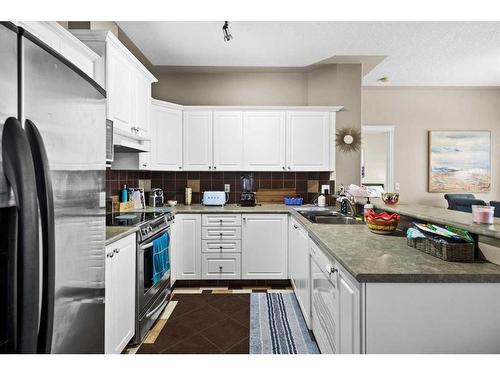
(210, 167)
(116, 251)
(283, 167)
(180, 167)
(215, 167)
(296, 227)
(289, 167)
(144, 165)
(110, 255)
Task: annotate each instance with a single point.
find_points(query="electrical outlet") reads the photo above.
(396, 186)
(324, 188)
(227, 188)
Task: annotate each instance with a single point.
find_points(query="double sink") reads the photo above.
(327, 216)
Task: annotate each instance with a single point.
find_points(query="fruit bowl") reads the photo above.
(382, 223)
(390, 198)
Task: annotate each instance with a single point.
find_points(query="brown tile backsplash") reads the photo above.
(306, 184)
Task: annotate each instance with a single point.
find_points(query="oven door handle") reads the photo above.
(149, 314)
(147, 246)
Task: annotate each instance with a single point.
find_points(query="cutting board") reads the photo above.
(274, 195)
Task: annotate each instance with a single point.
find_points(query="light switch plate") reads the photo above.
(227, 188)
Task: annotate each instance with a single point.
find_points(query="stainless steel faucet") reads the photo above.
(350, 203)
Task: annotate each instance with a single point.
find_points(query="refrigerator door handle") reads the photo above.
(46, 204)
(20, 173)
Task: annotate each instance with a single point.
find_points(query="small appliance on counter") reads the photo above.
(247, 194)
(214, 198)
(156, 197)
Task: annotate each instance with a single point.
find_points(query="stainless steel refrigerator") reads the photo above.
(52, 200)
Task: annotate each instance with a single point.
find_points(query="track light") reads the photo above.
(225, 31)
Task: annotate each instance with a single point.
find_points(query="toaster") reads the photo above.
(156, 198)
(214, 198)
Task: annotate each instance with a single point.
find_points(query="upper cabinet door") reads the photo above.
(119, 89)
(308, 141)
(264, 140)
(166, 135)
(197, 140)
(228, 141)
(141, 100)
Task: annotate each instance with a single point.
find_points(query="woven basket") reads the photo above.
(449, 251)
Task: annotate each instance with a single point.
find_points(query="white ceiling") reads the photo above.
(418, 53)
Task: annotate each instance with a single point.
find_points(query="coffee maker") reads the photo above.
(247, 194)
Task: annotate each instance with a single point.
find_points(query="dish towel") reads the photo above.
(161, 258)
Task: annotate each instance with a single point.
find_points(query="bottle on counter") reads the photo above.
(368, 206)
(321, 201)
(124, 194)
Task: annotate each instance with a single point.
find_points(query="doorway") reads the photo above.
(377, 157)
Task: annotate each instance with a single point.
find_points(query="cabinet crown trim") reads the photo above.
(108, 37)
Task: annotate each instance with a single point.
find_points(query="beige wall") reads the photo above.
(414, 111)
(231, 88)
(340, 84)
(374, 157)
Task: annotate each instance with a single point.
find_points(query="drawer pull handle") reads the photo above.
(220, 268)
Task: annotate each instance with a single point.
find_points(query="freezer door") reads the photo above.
(8, 97)
(69, 112)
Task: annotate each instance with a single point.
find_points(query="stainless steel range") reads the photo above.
(151, 297)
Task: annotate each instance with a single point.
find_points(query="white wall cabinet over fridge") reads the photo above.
(264, 252)
(120, 294)
(197, 140)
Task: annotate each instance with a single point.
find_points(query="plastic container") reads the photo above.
(483, 214)
(293, 201)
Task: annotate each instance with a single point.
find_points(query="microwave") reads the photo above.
(110, 154)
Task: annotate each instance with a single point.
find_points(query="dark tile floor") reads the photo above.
(204, 323)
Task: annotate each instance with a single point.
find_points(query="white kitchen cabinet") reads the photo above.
(349, 313)
(264, 253)
(228, 140)
(188, 246)
(63, 42)
(307, 141)
(127, 83)
(166, 136)
(197, 140)
(119, 89)
(141, 103)
(264, 140)
(221, 266)
(299, 267)
(120, 294)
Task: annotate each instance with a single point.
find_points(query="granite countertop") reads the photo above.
(116, 233)
(443, 216)
(371, 257)
(367, 256)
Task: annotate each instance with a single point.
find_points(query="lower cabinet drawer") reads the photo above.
(222, 233)
(224, 246)
(221, 266)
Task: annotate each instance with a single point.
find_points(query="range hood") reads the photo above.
(128, 145)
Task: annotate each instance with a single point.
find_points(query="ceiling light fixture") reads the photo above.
(225, 31)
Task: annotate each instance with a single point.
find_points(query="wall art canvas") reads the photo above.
(459, 161)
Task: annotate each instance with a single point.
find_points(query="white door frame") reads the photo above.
(389, 131)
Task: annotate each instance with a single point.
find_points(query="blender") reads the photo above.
(247, 194)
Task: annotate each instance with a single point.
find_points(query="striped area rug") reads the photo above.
(277, 325)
